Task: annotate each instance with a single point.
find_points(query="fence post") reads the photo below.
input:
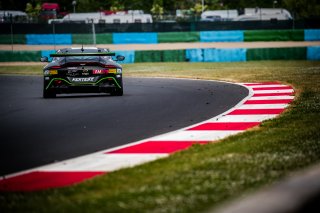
(11, 29)
(54, 35)
(93, 33)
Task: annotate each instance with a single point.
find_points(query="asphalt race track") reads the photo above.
(36, 131)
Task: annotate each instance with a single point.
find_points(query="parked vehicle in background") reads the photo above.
(49, 11)
(264, 14)
(130, 16)
(13, 16)
(219, 15)
(250, 14)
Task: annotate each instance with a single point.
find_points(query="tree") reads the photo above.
(197, 10)
(117, 6)
(33, 12)
(87, 5)
(303, 8)
(157, 9)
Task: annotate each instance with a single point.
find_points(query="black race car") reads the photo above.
(84, 70)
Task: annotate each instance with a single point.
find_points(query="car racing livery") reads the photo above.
(84, 70)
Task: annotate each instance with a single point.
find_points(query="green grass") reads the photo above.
(21, 70)
(203, 176)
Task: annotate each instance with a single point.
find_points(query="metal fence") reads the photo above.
(73, 28)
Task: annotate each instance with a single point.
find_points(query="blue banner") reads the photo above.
(221, 36)
(57, 39)
(313, 53)
(135, 38)
(194, 55)
(225, 55)
(312, 35)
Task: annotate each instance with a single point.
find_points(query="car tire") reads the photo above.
(117, 92)
(48, 94)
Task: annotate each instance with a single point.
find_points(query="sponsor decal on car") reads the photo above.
(53, 72)
(113, 71)
(89, 79)
(97, 72)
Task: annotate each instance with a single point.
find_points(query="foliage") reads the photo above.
(117, 6)
(198, 8)
(157, 10)
(88, 6)
(33, 11)
(303, 8)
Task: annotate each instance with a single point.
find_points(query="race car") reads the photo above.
(82, 70)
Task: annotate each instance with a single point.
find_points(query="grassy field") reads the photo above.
(203, 176)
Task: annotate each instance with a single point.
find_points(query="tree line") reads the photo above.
(299, 8)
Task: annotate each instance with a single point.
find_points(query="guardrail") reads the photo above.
(190, 55)
(164, 37)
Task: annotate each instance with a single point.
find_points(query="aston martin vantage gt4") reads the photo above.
(82, 70)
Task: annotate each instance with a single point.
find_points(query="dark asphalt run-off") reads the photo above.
(36, 131)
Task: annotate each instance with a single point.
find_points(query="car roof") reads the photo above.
(83, 49)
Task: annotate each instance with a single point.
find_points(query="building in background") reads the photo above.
(130, 16)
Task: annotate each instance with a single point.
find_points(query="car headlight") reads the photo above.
(119, 71)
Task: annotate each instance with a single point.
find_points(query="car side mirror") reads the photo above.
(120, 57)
(44, 59)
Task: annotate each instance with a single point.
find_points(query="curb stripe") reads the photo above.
(245, 118)
(272, 88)
(268, 86)
(263, 106)
(278, 97)
(205, 135)
(102, 162)
(156, 147)
(43, 180)
(280, 101)
(226, 126)
(257, 84)
(256, 112)
(279, 91)
(273, 94)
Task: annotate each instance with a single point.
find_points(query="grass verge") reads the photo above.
(204, 175)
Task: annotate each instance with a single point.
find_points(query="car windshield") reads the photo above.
(81, 58)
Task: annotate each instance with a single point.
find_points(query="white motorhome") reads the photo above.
(15, 15)
(132, 16)
(264, 14)
(83, 17)
(128, 18)
(219, 15)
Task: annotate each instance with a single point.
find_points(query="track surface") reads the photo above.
(36, 131)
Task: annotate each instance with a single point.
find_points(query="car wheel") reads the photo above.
(117, 92)
(48, 94)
